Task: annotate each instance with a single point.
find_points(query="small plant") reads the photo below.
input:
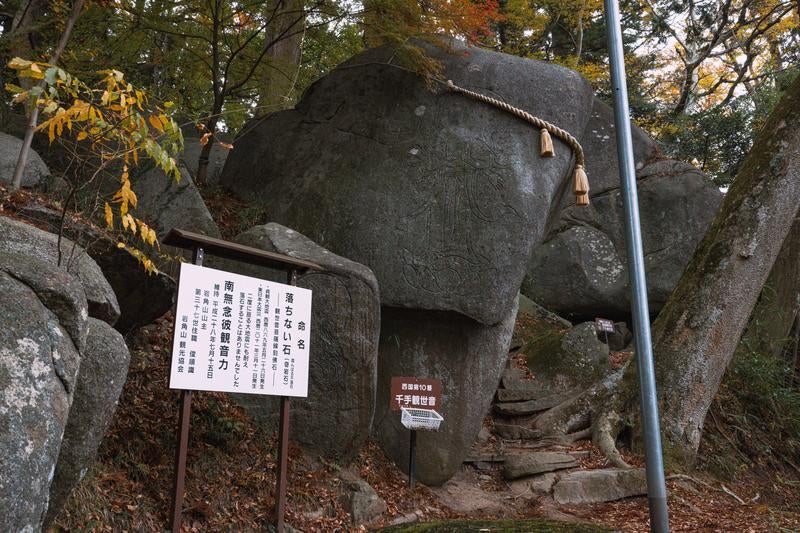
(106, 128)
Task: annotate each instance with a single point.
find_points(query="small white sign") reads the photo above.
(236, 333)
(604, 324)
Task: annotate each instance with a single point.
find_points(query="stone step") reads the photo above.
(529, 407)
(596, 486)
(515, 432)
(530, 464)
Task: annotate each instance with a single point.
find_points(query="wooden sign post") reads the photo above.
(223, 323)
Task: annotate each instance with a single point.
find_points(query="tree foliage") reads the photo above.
(107, 127)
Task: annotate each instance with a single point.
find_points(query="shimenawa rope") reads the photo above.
(580, 181)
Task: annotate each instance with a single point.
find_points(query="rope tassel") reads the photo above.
(581, 186)
(546, 144)
(581, 182)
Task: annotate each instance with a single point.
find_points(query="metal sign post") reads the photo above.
(656, 486)
(201, 244)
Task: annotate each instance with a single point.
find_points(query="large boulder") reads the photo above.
(43, 324)
(441, 196)
(35, 169)
(23, 239)
(167, 203)
(103, 369)
(468, 357)
(581, 267)
(142, 297)
(334, 420)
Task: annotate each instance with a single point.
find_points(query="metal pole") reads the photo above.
(412, 458)
(283, 447)
(656, 486)
(183, 439)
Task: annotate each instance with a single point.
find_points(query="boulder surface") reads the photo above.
(334, 420)
(39, 361)
(21, 238)
(103, 369)
(441, 196)
(468, 358)
(35, 169)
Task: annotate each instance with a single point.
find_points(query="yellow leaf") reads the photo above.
(19, 64)
(35, 68)
(81, 136)
(131, 223)
(204, 139)
(51, 130)
(109, 216)
(155, 122)
(120, 245)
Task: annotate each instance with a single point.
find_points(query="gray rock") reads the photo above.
(528, 306)
(23, 239)
(442, 196)
(529, 487)
(334, 421)
(216, 159)
(35, 169)
(530, 464)
(620, 338)
(577, 271)
(363, 503)
(165, 203)
(528, 407)
(515, 432)
(594, 486)
(582, 266)
(581, 360)
(55, 288)
(142, 297)
(38, 368)
(103, 370)
(466, 356)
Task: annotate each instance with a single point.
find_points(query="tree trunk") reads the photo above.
(770, 324)
(283, 58)
(699, 328)
(22, 160)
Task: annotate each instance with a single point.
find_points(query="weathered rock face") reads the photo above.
(35, 169)
(142, 297)
(20, 238)
(441, 196)
(466, 356)
(168, 204)
(43, 323)
(581, 268)
(334, 421)
(103, 369)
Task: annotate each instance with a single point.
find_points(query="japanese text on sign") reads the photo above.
(236, 333)
(421, 393)
(604, 324)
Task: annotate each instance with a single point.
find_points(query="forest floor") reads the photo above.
(742, 483)
(232, 463)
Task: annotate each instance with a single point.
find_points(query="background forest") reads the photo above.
(702, 75)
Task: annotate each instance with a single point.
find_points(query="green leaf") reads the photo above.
(50, 75)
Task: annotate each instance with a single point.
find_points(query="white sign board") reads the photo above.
(236, 333)
(604, 324)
